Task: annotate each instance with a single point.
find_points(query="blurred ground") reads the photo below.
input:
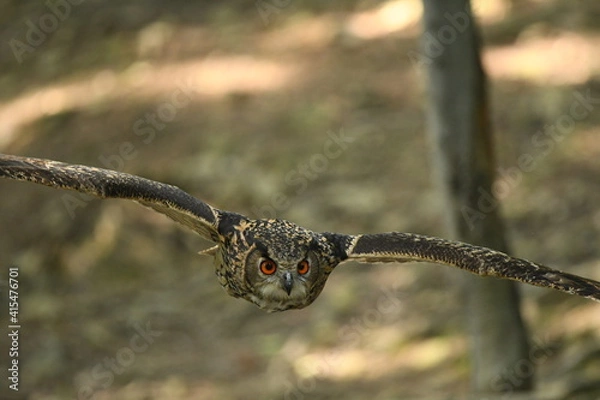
(228, 101)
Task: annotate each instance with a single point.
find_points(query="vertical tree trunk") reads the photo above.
(459, 123)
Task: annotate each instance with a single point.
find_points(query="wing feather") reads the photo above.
(166, 199)
(403, 247)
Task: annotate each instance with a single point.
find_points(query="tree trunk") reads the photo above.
(460, 130)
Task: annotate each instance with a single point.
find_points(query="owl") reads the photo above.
(276, 264)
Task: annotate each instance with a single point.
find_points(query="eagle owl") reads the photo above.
(277, 264)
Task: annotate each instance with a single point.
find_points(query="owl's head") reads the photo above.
(275, 264)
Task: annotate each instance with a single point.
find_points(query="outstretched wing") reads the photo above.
(166, 199)
(402, 247)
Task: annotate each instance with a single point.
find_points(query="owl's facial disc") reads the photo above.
(286, 277)
(282, 266)
(279, 283)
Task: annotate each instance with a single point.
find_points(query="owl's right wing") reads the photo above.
(404, 247)
(166, 199)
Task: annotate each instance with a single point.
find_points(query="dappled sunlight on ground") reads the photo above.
(566, 58)
(307, 34)
(213, 77)
(390, 17)
(346, 364)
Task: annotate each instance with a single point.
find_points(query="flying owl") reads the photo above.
(277, 264)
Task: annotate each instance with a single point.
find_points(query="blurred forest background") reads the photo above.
(237, 103)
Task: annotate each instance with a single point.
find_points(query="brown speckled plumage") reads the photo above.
(244, 244)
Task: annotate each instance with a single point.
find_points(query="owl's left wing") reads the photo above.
(166, 199)
(403, 247)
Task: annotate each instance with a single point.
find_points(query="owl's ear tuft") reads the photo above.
(229, 221)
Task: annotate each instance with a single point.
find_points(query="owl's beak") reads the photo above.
(288, 282)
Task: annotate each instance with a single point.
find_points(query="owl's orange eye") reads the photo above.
(303, 267)
(268, 267)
